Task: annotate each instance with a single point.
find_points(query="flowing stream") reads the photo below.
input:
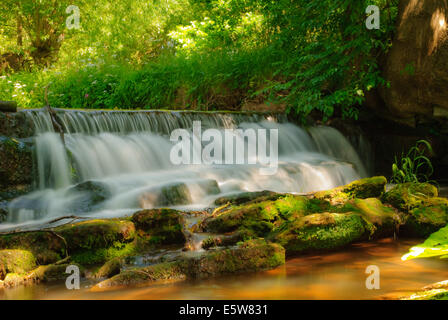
(114, 163)
(337, 275)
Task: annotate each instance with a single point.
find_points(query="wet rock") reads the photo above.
(209, 186)
(252, 255)
(46, 273)
(169, 195)
(16, 261)
(407, 196)
(245, 197)
(16, 165)
(382, 221)
(249, 256)
(424, 212)
(90, 194)
(362, 189)
(46, 246)
(322, 231)
(109, 269)
(88, 242)
(160, 272)
(16, 125)
(160, 226)
(260, 218)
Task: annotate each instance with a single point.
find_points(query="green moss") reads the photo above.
(362, 189)
(160, 226)
(16, 261)
(322, 231)
(158, 272)
(258, 218)
(380, 219)
(424, 212)
(248, 256)
(101, 255)
(88, 242)
(407, 196)
(47, 247)
(95, 234)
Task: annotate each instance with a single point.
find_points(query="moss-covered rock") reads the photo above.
(16, 261)
(424, 212)
(88, 242)
(245, 197)
(47, 247)
(252, 255)
(137, 276)
(382, 221)
(89, 195)
(361, 189)
(109, 269)
(248, 256)
(46, 273)
(422, 221)
(96, 234)
(322, 231)
(407, 196)
(258, 218)
(160, 226)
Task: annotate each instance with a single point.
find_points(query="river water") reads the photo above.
(336, 275)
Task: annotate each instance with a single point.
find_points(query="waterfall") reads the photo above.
(114, 163)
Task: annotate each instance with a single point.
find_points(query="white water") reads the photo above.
(127, 153)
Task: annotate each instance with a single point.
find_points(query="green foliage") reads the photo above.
(435, 246)
(202, 54)
(414, 166)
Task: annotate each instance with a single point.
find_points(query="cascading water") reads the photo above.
(114, 163)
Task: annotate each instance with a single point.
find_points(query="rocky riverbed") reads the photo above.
(245, 233)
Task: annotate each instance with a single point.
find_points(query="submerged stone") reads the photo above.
(89, 195)
(248, 256)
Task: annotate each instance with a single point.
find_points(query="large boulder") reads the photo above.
(417, 63)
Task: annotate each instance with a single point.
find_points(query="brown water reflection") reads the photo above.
(339, 275)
